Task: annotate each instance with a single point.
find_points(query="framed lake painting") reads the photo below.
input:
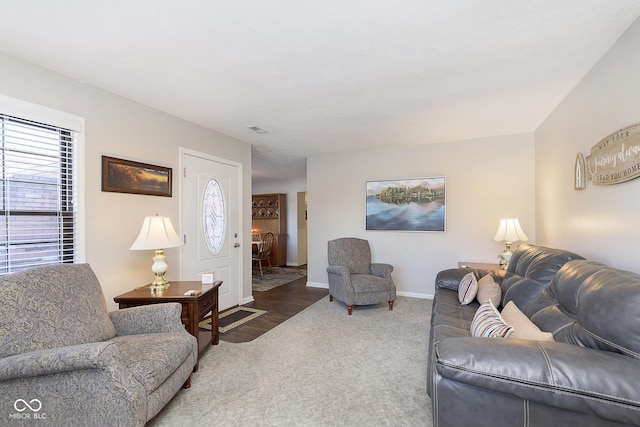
(407, 204)
(126, 176)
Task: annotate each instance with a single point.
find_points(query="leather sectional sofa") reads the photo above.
(589, 375)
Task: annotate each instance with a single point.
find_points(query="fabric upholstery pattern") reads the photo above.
(29, 316)
(143, 359)
(353, 279)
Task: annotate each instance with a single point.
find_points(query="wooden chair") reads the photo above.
(263, 255)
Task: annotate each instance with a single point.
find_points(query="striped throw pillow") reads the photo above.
(488, 322)
(467, 289)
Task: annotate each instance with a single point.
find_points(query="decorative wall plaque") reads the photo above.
(616, 158)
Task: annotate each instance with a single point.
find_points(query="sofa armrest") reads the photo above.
(148, 319)
(558, 374)
(381, 270)
(57, 360)
(450, 278)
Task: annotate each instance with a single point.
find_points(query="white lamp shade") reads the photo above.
(509, 230)
(157, 232)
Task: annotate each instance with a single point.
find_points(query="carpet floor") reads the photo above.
(319, 368)
(278, 277)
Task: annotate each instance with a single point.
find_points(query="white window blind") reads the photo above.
(37, 216)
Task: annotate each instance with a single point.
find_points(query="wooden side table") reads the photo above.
(479, 265)
(194, 307)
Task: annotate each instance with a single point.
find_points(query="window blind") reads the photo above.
(37, 214)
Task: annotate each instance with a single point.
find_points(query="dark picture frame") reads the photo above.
(417, 204)
(127, 176)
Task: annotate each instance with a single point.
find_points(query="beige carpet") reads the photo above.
(319, 368)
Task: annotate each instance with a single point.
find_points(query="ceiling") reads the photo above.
(326, 76)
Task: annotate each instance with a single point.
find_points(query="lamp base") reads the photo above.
(505, 257)
(160, 284)
(159, 267)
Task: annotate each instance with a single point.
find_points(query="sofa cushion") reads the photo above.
(489, 323)
(530, 270)
(467, 289)
(523, 328)
(152, 358)
(37, 312)
(591, 305)
(489, 290)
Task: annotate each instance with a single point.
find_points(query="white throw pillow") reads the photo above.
(523, 328)
(467, 289)
(488, 323)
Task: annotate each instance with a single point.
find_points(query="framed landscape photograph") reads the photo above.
(417, 204)
(126, 176)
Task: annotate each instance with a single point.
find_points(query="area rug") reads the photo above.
(319, 368)
(280, 276)
(233, 318)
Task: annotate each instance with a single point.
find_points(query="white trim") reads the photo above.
(399, 293)
(38, 113)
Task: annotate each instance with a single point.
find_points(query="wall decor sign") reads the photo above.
(616, 158)
(126, 176)
(580, 176)
(407, 205)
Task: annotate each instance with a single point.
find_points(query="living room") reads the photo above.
(524, 174)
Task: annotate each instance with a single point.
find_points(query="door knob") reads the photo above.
(236, 245)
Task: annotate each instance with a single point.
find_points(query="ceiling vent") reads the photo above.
(256, 129)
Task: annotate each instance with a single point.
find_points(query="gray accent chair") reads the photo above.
(74, 363)
(353, 279)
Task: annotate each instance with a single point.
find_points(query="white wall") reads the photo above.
(122, 128)
(486, 179)
(291, 188)
(599, 222)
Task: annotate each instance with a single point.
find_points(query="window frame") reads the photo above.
(41, 114)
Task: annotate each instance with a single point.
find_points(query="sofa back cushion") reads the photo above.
(50, 307)
(531, 268)
(591, 305)
(351, 252)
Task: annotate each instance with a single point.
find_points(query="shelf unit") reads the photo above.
(269, 214)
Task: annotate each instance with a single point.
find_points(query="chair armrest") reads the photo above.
(338, 269)
(148, 319)
(450, 278)
(557, 374)
(64, 359)
(381, 270)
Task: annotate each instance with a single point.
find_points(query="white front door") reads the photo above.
(210, 223)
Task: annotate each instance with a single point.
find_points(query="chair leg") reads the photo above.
(330, 298)
(349, 309)
(187, 383)
(260, 264)
(390, 305)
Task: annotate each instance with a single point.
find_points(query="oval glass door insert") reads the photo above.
(213, 216)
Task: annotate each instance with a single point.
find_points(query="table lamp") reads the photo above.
(509, 231)
(157, 233)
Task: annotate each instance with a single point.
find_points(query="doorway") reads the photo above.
(210, 219)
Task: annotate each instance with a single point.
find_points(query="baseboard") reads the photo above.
(318, 285)
(400, 293)
(414, 295)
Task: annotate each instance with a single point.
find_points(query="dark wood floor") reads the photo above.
(282, 303)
